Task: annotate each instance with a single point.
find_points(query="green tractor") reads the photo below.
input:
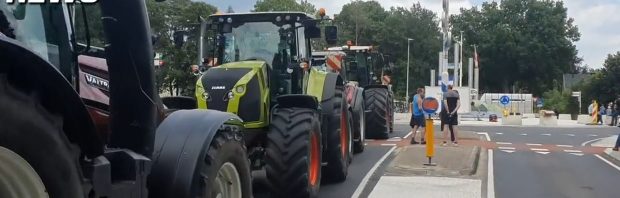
(295, 117)
(371, 71)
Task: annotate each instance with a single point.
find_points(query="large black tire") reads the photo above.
(359, 126)
(226, 147)
(377, 114)
(36, 135)
(339, 138)
(391, 111)
(294, 153)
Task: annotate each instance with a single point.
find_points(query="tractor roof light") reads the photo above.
(287, 17)
(229, 20)
(322, 12)
(278, 18)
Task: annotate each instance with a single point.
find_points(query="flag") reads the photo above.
(476, 58)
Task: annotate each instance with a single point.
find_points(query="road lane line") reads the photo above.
(490, 179)
(566, 146)
(362, 185)
(533, 144)
(485, 135)
(538, 149)
(506, 148)
(577, 154)
(388, 144)
(408, 134)
(540, 152)
(608, 162)
(592, 135)
(524, 134)
(508, 151)
(546, 134)
(572, 135)
(590, 141)
(499, 133)
(572, 151)
(503, 143)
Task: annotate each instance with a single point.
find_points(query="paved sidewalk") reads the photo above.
(406, 187)
(403, 118)
(608, 143)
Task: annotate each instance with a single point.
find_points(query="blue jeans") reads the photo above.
(617, 142)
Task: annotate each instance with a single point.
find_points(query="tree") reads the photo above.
(284, 5)
(603, 84)
(177, 15)
(523, 43)
(361, 22)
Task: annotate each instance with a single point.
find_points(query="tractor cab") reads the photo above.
(253, 58)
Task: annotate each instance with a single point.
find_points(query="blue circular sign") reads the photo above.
(504, 100)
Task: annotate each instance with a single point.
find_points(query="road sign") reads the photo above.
(504, 100)
(430, 105)
(540, 102)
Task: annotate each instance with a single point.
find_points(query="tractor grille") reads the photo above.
(218, 82)
(250, 104)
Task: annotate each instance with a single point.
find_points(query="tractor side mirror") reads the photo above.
(311, 29)
(331, 35)
(179, 38)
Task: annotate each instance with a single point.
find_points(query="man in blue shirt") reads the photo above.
(417, 117)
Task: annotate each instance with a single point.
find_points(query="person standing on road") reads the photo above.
(617, 107)
(417, 117)
(601, 114)
(452, 104)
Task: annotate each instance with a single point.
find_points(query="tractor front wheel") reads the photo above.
(377, 113)
(294, 153)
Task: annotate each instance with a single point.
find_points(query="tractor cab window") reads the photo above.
(259, 41)
(30, 25)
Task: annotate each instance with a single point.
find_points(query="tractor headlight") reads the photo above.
(206, 95)
(374, 78)
(240, 89)
(231, 95)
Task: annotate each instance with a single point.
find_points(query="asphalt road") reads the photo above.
(360, 167)
(550, 162)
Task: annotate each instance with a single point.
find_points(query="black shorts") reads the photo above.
(450, 120)
(417, 121)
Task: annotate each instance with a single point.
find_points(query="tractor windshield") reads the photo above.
(34, 26)
(260, 41)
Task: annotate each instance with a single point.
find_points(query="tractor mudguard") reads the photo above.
(22, 65)
(179, 144)
(298, 100)
(358, 101)
(329, 89)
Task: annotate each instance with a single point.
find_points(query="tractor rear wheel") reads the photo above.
(36, 157)
(338, 140)
(359, 122)
(226, 167)
(377, 114)
(294, 151)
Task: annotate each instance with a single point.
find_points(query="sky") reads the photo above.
(597, 20)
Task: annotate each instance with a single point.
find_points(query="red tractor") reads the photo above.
(81, 131)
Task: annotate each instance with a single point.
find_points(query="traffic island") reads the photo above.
(456, 172)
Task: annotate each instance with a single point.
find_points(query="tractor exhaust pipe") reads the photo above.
(129, 54)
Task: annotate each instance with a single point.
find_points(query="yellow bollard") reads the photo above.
(430, 142)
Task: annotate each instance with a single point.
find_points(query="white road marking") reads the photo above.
(590, 141)
(523, 134)
(394, 140)
(408, 134)
(577, 154)
(503, 143)
(539, 149)
(572, 151)
(608, 162)
(388, 144)
(506, 148)
(365, 144)
(508, 151)
(544, 153)
(572, 135)
(533, 144)
(485, 135)
(364, 182)
(490, 179)
(499, 133)
(546, 134)
(592, 135)
(567, 146)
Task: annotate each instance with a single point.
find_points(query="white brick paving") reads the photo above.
(428, 187)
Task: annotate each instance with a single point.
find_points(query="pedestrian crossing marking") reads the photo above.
(577, 154)
(508, 148)
(540, 152)
(508, 151)
(538, 149)
(572, 151)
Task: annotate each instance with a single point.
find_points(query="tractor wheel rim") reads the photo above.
(18, 178)
(315, 161)
(228, 182)
(344, 133)
(362, 128)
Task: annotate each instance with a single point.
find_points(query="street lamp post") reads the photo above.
(407, 92)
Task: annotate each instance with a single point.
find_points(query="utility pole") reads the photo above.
(461, 62)
(408, 54)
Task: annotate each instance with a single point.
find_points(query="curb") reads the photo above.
(612, 159)
(475, 157)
